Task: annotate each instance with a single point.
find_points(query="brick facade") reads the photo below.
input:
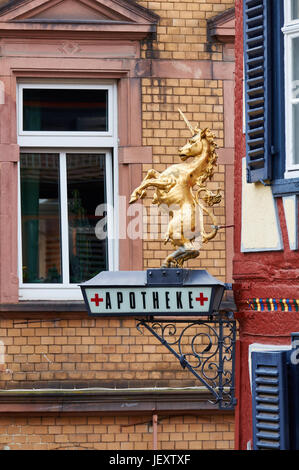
(103, 352)
(63, 350)
(182, 30)
(117, 433)
(182, 35)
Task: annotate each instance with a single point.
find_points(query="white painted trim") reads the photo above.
(289, 23)
(291, 220)
(287, 11)
(288, 105)
(291, 174)
(51, 292)
(110, 211)
(64, 220)
(291, 28)
(65, 141)
(115, 181)
(20, 254)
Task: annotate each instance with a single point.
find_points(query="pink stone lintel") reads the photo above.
(139, 155)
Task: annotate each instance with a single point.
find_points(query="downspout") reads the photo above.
(155, 432)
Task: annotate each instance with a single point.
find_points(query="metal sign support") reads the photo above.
(205, 347)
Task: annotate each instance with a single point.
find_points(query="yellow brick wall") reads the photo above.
(111, 352)
(104, 352)
(203, 432)
(182, 35)
(165, 131)
(182, 30)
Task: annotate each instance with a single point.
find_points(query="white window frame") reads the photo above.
(87, 143)
(62, 139)
(291, 31)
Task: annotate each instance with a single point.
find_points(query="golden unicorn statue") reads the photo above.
(174, 189)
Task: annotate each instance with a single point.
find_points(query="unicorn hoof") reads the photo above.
(134, 198)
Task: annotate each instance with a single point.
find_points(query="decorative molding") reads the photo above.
(222, 27)
(58, 10)
(83, 48)
(89, 16)
(274, 305)
(70, 48)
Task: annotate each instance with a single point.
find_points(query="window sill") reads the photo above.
(285, 187)
(44, 306)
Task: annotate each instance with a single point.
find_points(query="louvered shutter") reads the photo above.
(270, 418)
(257, 64)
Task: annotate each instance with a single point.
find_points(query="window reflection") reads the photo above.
(41, 246)
(86, 190)
(43, 206)
(295, 9)
(65, 110)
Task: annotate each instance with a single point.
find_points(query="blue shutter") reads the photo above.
(270, 418)
(293, 377)
(257, 62)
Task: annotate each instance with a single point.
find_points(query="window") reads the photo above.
(271, 40)
(67, 193)
(60, 110)
(52, 113)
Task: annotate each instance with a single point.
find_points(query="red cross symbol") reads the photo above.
(201, 299)
(97, 300)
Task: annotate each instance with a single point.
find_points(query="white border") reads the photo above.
(294, 235)
(64, 225)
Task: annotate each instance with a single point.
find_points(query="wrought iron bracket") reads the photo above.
(205, 347)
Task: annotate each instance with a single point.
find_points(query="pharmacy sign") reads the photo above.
(163, 292)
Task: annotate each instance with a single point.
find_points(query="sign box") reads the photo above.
(163, 292)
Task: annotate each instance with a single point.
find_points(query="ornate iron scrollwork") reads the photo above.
(204, 347)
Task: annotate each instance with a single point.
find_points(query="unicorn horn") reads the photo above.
(186, 121)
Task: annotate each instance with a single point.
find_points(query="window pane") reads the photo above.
(295, 9)
(296, 133)
(41, 249)
(295, 78)
(65, 110)
(86, 190)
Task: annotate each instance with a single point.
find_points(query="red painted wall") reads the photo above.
(257, 275)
